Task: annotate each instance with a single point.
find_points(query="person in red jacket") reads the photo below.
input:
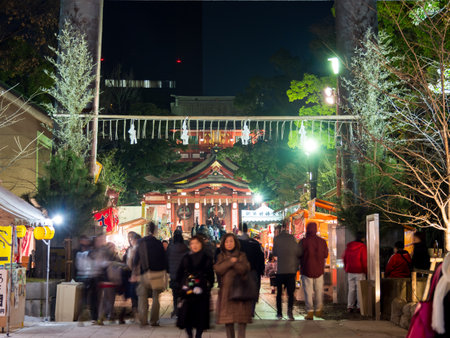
(355, 264)
(313, 252)
(399, 265)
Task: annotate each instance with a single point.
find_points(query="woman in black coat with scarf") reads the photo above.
(195, 277)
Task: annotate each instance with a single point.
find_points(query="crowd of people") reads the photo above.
(191, 268)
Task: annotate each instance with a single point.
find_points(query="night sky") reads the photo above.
(221, 45)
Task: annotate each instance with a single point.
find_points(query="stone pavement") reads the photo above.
(264, 325)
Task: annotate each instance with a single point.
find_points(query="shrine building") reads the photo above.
(208, 191)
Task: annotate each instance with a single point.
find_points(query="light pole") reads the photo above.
(311, 147)
(332, 97)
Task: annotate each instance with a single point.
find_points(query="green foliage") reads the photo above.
(113, 173)
(72, 89)
(148, 157)
(270, 169)
(68, 189)
(412, 30)
(278, 172)
(310, 92)
(26, 29)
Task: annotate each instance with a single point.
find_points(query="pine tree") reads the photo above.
(72, 89)
(69, 191)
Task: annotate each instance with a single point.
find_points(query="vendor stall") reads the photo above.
(261, 216)
(16, 215)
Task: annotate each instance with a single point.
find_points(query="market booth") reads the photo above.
(17, 221)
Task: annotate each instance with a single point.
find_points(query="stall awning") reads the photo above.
(262, 214)
(21, 209)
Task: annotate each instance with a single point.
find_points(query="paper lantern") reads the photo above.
(49, 232)
(44, 232)
(39, 233)
(21, 230)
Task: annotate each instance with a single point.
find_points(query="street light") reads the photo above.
(58, 219)
(332, 97)
(258, 198)
(311, 147)
(334, 64)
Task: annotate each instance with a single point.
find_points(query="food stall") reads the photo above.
(266, 220)
(17, 217)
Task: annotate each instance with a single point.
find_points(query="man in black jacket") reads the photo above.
(150, 256)
(255, 257)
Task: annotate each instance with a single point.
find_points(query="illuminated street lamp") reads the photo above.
(311, 147)
(57, 220)
(258, 198)
(330, 95)
(334, 64)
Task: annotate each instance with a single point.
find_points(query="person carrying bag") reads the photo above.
(151, 259)
(231, 262)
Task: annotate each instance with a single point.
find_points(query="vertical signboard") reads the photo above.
(5, 244)
(373, 257)
(3, 291)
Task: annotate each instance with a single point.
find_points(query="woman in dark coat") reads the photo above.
(231, 261)
(195, 277)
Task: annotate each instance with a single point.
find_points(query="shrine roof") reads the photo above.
(211, 170)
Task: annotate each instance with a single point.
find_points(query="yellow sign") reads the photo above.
(5, 244)
(98, 170)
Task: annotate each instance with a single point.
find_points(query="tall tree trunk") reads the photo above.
(353, 19)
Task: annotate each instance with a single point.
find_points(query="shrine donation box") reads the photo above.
(17, 297)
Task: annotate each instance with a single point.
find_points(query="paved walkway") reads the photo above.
(264, 325)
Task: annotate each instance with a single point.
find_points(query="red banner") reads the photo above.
(108, 217)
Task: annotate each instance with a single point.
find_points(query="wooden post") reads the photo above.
(414, 287)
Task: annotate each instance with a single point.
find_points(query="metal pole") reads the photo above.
(8, 296)
(48, 273)
(97, 55)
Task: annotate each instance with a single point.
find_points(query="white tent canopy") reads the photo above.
(21, 209)
(262, 214)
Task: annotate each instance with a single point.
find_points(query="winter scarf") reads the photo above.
(443, 286)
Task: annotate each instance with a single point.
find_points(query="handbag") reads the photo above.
(155, 280)
(243, 288)
(420, 326)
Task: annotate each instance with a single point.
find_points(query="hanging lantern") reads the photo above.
(49, 232)
(44, 232)
(21, 231)
(39, 233)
